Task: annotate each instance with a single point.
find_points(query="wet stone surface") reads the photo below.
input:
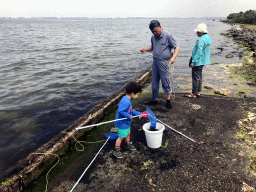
(210, 164)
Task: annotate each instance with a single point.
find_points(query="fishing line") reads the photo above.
(123, 66)
(146, 62)
(136, 68)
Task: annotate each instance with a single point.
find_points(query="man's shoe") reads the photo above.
(168, 105)
(118, 153)
(129, 146)
(151, 102)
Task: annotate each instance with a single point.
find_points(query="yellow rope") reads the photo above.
(51, 168)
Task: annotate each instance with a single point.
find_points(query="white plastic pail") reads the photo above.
(154, 138)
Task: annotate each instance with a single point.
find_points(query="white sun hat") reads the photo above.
(201, 28)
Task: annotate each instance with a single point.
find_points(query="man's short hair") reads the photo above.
(153, 24)
(133, 87)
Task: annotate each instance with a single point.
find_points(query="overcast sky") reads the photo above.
(124, 8)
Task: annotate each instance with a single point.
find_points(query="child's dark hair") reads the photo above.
(133, 87)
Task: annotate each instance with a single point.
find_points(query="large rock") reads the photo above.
(253, 46)
(224, 91)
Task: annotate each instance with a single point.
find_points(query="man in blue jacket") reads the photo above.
(200, 57)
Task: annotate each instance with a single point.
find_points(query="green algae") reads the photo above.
(8, 181)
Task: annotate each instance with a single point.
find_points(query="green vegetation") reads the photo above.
(165, 145)
(248, 17)
(8, 181)
(246, 134)
(248, 70)
(229, 56)
(252, 160)
(145, 165)
(207, 133)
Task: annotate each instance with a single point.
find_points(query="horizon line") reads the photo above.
(112, 17)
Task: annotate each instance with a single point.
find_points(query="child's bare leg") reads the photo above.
(128, 144)
(127, 138)
(118, 143)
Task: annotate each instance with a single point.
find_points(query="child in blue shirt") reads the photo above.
(125, 110)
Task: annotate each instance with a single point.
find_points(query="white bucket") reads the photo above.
(154, 138)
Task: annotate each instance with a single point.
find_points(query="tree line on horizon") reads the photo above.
(248, 17)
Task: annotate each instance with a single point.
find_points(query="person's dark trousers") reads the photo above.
(197, 79)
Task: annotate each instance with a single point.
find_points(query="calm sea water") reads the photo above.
(52, 72)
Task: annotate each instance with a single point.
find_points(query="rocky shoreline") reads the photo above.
(243, 34)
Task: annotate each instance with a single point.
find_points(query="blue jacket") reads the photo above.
(125, 111)
(200, 57)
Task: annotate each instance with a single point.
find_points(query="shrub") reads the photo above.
(248, 17)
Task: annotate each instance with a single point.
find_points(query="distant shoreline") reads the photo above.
(95, 18)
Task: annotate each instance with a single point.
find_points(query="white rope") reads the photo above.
(172, 84)
(89, 166)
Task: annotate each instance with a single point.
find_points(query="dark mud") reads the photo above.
(212, 163)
